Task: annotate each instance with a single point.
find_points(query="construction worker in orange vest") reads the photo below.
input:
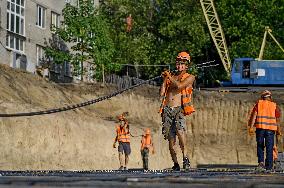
(123, 138)
(265, 117)
(146, 147)
(176, 91)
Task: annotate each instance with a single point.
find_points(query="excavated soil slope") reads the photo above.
(82, 139)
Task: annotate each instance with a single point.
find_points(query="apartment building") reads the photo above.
(25, 27)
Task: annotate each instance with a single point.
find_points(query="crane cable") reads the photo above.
(79, 105)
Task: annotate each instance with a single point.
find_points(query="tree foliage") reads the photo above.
(162, 28)
(87, 34)
(244, 23)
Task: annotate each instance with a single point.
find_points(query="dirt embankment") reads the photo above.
(82, 139)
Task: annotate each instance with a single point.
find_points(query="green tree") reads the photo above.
(85, 30)
(160, 30)
(131, 47)
(244, 23)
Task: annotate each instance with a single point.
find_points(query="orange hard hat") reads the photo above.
(183, 56)
(265, 94)
(120, 117)
(147, 131)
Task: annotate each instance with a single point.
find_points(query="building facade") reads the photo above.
(25, 28)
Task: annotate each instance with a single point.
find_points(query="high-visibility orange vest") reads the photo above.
(186, 93)
(266, 118)
(146, 142)
(122, 135)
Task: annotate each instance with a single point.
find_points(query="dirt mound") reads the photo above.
(81, 139)
(77, 139)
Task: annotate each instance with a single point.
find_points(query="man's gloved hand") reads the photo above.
(278, 132)
(166, 74)
(251, 131)
(114, 145)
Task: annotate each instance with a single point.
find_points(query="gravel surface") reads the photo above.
(201, 177)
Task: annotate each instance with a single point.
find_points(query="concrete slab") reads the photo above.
(201, 177)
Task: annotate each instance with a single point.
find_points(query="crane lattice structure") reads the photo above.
(216, 32)
(269, 31)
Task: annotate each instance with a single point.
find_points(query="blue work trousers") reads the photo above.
(265, 138)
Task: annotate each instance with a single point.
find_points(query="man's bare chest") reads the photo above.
(172, 86)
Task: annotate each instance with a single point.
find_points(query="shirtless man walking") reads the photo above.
(176, 91)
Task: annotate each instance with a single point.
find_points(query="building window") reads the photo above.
(67, 71)
(54, 19)
(15, 42)
(16, 16)
(39, 55)
(40, 16)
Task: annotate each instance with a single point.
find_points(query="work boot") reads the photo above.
(176, 167)
(260, 167)
(269, 171)
(121, 168)
(186, 163)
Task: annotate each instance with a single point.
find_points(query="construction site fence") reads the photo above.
(123, 82)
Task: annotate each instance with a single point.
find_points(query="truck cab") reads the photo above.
(249, 71)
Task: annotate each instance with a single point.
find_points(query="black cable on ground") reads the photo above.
(71, 107)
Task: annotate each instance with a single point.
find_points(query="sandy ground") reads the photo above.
(82, 139)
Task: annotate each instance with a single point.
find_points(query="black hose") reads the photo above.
(79, 105)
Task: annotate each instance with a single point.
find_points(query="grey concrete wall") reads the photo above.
(4, 54)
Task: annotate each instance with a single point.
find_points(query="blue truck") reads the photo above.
(249, 71)
(244, 71)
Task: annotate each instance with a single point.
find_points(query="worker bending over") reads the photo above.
(146, 147)
(176, 91)
(265, 118)
(123, 138)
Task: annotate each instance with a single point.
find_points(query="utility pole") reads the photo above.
(82, 67)
(103, 72)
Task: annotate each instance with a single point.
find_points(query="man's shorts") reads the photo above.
(173, 120)
(124, 147)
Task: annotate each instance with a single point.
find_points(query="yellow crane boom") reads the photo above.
(216, 32)
(269, 31)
